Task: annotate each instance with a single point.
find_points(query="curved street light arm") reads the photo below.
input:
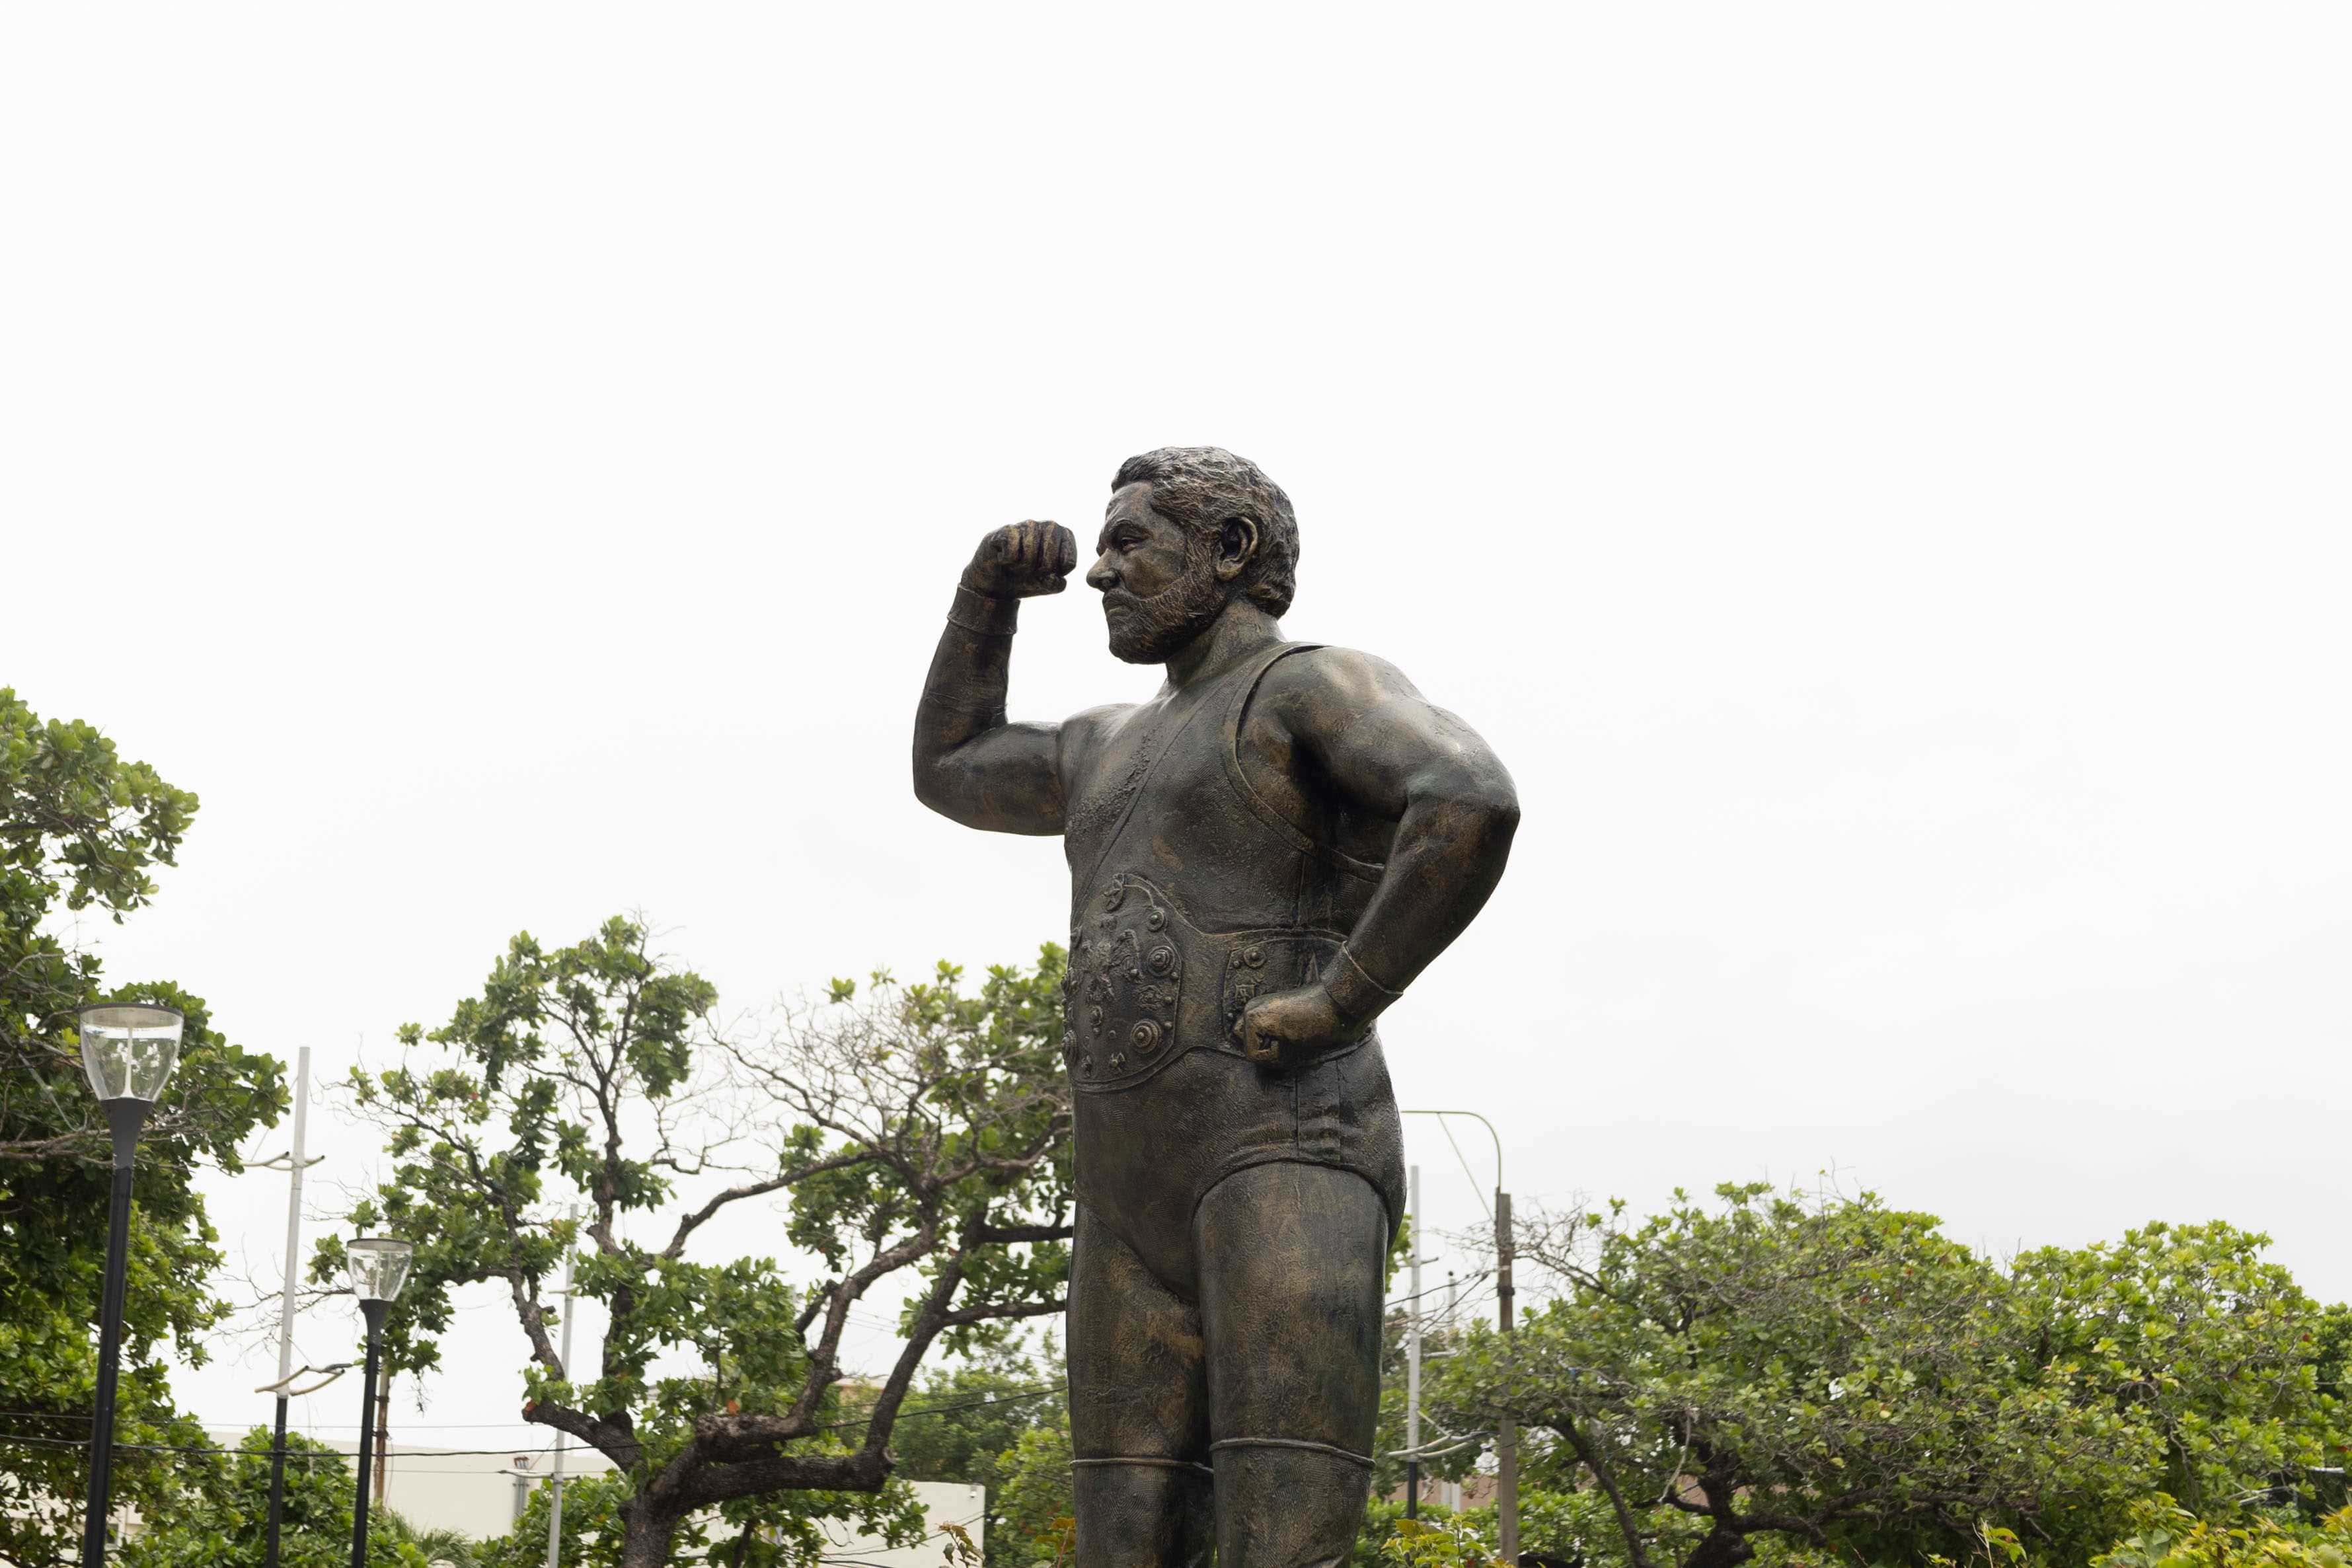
(284, 1384)
(1490, 1133)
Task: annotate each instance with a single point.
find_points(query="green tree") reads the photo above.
(592, 1527)
(2170, 1536)
(1831, 1374)
(967, 1425)
(917, 1134)
(1803, 1379)
(219, 1518)
(81, 830)
(2214, 1352)
(1554, 1527)
(1440, 1336)
(1030, 1516)
(788, 1528)
(440, 1546)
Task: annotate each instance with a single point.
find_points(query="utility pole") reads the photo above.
(295, 1162)
(1412, 1360)
(555, 1475)
(521, 1473)
(1451, 1492)
(1506, 1433)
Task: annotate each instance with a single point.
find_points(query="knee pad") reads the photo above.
(1134, 1512)
(1285, 1502)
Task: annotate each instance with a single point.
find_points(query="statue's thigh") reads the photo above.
(1138, 1388)
(1292, 1260)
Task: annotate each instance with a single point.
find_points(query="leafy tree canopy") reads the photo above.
(915, 1134)
(1813, 1378)
(998, 1420)
(2170, 1536)
(82, 829)
(2217, 1357)
(220, 1518)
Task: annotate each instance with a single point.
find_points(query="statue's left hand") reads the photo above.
(1291, 1028)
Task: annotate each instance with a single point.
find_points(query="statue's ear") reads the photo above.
(1236, 546)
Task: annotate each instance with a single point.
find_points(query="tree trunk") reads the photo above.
(382, 1435)
(645, 1535)
(1720, 1548)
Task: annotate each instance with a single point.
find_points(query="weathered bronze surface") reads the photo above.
(1261, 857)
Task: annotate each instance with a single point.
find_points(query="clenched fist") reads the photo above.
(1291, 1028)
(1022, 562)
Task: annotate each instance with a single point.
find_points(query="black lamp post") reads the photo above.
(128, 1050)
(379, 1266)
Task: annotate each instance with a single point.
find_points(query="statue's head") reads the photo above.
(1189, 530)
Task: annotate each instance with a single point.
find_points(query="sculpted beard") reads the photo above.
(1154, 626)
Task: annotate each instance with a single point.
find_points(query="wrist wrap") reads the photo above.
(1354, 991)
(983, 616)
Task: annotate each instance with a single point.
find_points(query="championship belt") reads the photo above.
(1128, 1011)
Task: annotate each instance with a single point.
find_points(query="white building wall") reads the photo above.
(944, 1503)
(474, 1493)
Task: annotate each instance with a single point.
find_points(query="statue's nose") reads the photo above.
(1100, 576)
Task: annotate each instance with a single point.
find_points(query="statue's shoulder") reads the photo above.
(1099, 721)
(1082, 733)
(1326, 682)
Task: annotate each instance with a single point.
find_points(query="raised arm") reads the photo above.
(971, 763)
(1390, 753)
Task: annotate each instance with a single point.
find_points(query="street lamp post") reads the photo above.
(379, 1266)
(296, 1163)
(128, 1051)
(1506, 1433)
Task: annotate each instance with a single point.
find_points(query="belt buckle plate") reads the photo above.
(1127, 970)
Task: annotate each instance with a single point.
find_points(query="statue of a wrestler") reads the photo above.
(1261, 857)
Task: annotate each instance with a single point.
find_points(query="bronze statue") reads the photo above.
(1261, 857)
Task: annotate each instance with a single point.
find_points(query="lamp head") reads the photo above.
(379, 1266)
(129, 1049)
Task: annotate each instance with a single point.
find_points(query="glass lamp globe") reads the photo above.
(129, 1049)
(379, 1266)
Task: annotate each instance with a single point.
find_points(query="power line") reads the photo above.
(1461, 1281)
(912, 1413)
(1465, 1163)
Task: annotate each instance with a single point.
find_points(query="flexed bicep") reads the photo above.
(971, 763)
(1002, 780)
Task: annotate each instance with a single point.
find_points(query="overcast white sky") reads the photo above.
(1877, 475)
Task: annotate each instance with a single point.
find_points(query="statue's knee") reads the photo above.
(1141, 1513)
(1287, 1503)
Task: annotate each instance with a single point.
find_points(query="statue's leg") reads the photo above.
(1291, 1276)
(1138, 1411)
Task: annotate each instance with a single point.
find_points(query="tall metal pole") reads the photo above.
(374, 1312)
(555, 1503)
(122, 1120)
(1506, 1437)
(1449, 1493)
(286, 1302)
(1506, 1433)
(1412, 1362)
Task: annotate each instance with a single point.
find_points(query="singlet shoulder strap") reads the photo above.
(1245, 686)
(1157, 753)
